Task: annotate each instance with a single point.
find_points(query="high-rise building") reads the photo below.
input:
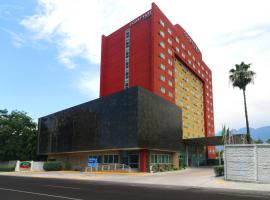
(153, 53)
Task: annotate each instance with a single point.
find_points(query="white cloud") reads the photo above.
(227, 32)
(17, 40)
(88, 84)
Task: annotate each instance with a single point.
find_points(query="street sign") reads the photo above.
(92, 162)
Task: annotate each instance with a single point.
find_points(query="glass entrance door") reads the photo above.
(133, 160)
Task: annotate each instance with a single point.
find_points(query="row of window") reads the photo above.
(162, 67)
(177, 49)
(161, 159)
(162, 78)
(163, 91)
(110, 158)
(127, 45)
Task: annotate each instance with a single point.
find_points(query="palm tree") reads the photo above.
(240, 77)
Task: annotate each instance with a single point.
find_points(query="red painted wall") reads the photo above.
(143, 160)
(145, 60)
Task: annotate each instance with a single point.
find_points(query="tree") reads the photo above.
(240, 77)
(18, 136)
(268, 141)
(259, 141)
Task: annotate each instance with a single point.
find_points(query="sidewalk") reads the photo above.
(191, 177)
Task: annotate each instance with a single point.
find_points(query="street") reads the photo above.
(25, 188)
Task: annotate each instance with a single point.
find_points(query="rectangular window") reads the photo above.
(170, 83)
(162, 55)
(183, 55)
(189, 53)
(169, 41)
(162, 44)
(161, 22)
(162, 90)
(170, 62)
(170, 72)
(177, 39)
(177, 49)
(170, 51)
(127, 55)
(183, 45)
(111, 158)
(162, 78)
(161, 66)
(162, 33)
(169, 31)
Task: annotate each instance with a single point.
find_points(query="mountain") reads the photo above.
(262, 133)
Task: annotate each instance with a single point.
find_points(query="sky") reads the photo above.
(50, 51)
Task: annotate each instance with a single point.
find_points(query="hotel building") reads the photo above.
(152, 53)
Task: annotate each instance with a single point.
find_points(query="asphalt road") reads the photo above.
(25, 188)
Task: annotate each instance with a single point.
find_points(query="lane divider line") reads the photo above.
(64, 187)
(40, 194)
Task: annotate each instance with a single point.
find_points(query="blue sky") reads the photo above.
(32, 79)
(50, 51)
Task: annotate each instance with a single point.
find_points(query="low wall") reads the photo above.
(250, 163)
(35, 166)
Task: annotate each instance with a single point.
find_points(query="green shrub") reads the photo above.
(219, 170)
(7, 168)
(67, 166)
(52, 166)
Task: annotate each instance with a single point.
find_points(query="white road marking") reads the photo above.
(59, 186)
(40, 194)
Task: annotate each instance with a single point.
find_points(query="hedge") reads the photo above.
(52, 166)
(7, 168)
(219, 170)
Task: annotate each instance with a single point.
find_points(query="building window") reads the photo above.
(162, 78)
(189, 62)
(162, 55)
(110, 158)
(177, 39)
(161, 22)
(162, 44)
(169, 83)
(169, 41)
(183, 45)
(127, 44)
(169, 31)
(162, 90)
(183, 55)
(161, 66)
(189, 53)
(170, 94)
(170, 72)
(162, 33)
(170, 51)
(177, 49)
(160, 158)
(169, 61)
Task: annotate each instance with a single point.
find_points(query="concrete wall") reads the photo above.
(249, 163)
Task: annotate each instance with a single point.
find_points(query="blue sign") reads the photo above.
(92, 162)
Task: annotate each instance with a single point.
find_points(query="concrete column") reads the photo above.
(175, 160)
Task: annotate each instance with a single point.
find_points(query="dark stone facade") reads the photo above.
(134, 118)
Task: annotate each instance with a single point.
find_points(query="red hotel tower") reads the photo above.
(153, 53)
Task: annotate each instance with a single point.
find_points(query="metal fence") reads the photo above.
(247, 162)
(109, 167)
